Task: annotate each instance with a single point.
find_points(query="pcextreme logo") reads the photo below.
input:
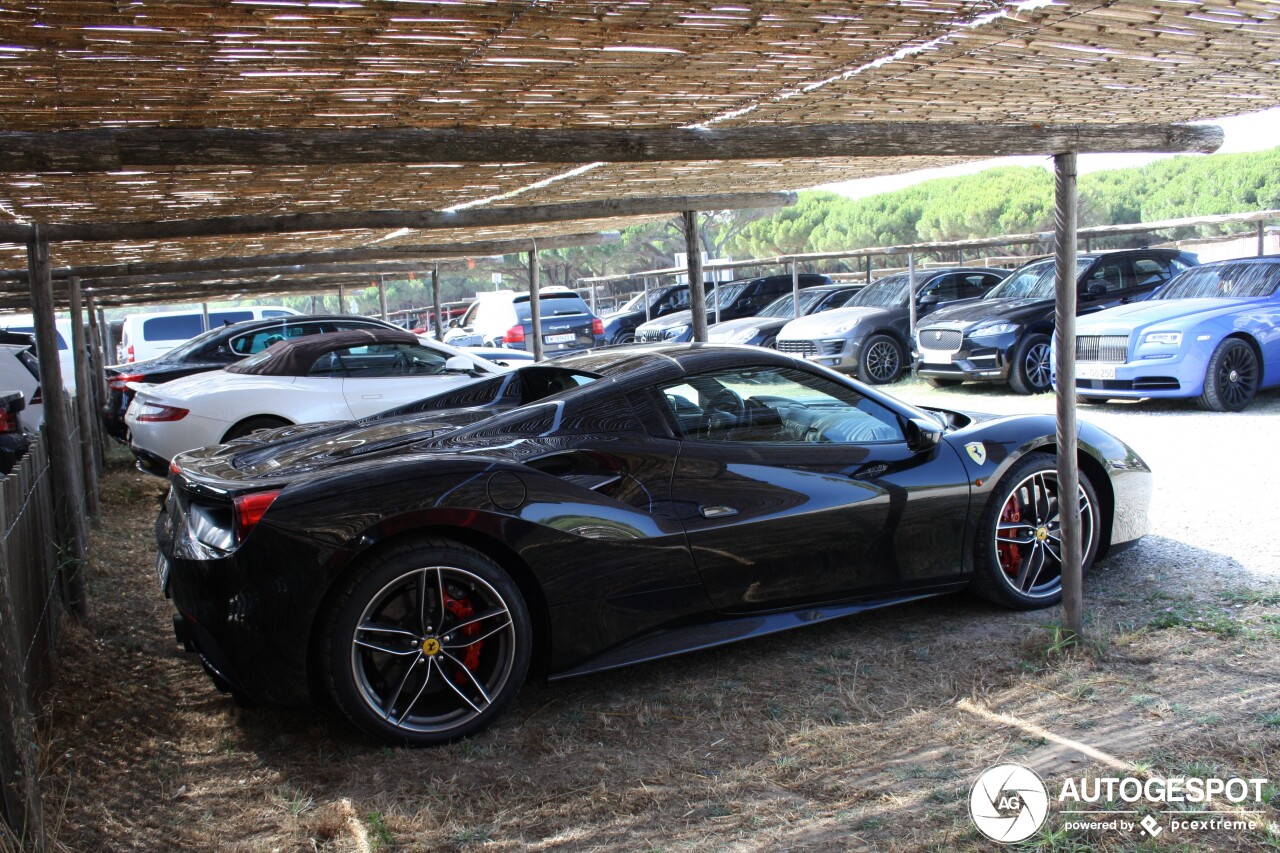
(1008, 803)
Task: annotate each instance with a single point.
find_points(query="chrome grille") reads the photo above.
(940, 340)
(1112, 349)
(649, 334)
(801, 348)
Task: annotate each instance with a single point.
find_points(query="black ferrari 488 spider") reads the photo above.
(596, 511)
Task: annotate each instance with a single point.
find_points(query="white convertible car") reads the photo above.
(327, 377)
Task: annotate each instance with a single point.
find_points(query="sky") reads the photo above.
(1248, 132)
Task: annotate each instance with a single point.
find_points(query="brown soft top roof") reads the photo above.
(295, 357)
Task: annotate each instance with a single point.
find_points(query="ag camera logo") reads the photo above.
(1008, 803)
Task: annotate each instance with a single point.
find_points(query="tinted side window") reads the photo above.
(173, 328)
(377, 361)
(30, 330)
(775, 405)
(1112, 274)
(256, 341)
(947, 288)
(1149, 271)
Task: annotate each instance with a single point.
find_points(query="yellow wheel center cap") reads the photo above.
(430, 646)
(1042, 533)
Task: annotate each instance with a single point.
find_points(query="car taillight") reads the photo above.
(514, 335)
(174, 469)
(120, 380)
(597, 327)
(9, 421)
(155, 412)
(249, 510)
(128, 354)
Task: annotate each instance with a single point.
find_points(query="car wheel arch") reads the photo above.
(432, 534)
(1096, 471)
(231, 431)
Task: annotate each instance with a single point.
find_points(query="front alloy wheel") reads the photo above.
(428, 645)
(881, 361)
(1231, 380)
(1019, 559)
(1029, 372)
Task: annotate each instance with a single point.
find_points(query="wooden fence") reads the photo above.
(32, 602)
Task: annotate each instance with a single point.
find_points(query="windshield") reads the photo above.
(781, 307)
(888, 292)
(1034, 281)
(635, 303)
(1224, 281)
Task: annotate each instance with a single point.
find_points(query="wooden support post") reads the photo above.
(535, 304)
(1262, 238)
(868, 269)
(99, 350)
(697, 293)
(435, 301)
(382, 297)
(912, 317)
(342, 300)
(69, 516)
(1065, 217)
(795, 289)
(593, 298)
(85, 409)
(648, 314)
(204, 312)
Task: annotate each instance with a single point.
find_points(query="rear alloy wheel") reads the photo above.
(429, 643)
(1029, 373)
(1018, 562)
(880, 361)
(1231, 380)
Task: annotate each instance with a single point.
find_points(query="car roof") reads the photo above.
(295, 357)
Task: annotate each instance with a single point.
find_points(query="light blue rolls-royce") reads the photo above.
(1212, 333)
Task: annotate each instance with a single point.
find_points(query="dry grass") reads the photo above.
(862, 734)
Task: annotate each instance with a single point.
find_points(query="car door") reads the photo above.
(794, 487)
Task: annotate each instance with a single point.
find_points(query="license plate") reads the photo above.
(935, 357)
(1095, 371)
(162, 571)
(559, 339)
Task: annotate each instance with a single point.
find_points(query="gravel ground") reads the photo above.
(1217, 474)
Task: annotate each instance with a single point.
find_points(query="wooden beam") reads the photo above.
(535, 306)
(68, 511)
(697, 292)
(113, 149)
(409, 254)
(1065, 218)
(476, 217)
(85, 410)
(435, 302)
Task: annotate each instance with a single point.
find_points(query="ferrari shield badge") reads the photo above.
(977, 451)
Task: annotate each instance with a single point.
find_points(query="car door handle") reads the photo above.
(717, 511)
(370, 396)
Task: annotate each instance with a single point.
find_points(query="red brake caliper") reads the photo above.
(461, 610)
(1010, 556)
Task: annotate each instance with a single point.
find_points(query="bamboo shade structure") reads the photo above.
(78, 64)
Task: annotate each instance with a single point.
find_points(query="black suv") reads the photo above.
(1006, 335)
(214, 350)
(620, 326)
(741, 298)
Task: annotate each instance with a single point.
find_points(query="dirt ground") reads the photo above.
(865, 734)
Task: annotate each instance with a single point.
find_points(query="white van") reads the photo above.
(62, 328)
(146, 336)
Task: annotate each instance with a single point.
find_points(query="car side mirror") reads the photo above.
(454, 323)
(13, 402)
(1095, 290)
(929, 299)
(922, 435)
(459, 364)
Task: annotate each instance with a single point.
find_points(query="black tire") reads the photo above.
(406, 677)
(1029, 371)
(770, 343)
(1231, 379)
(624, 338)
(1082, 400)
(1033, 578)
(249, 425)
(880, 361)
(944, 383)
